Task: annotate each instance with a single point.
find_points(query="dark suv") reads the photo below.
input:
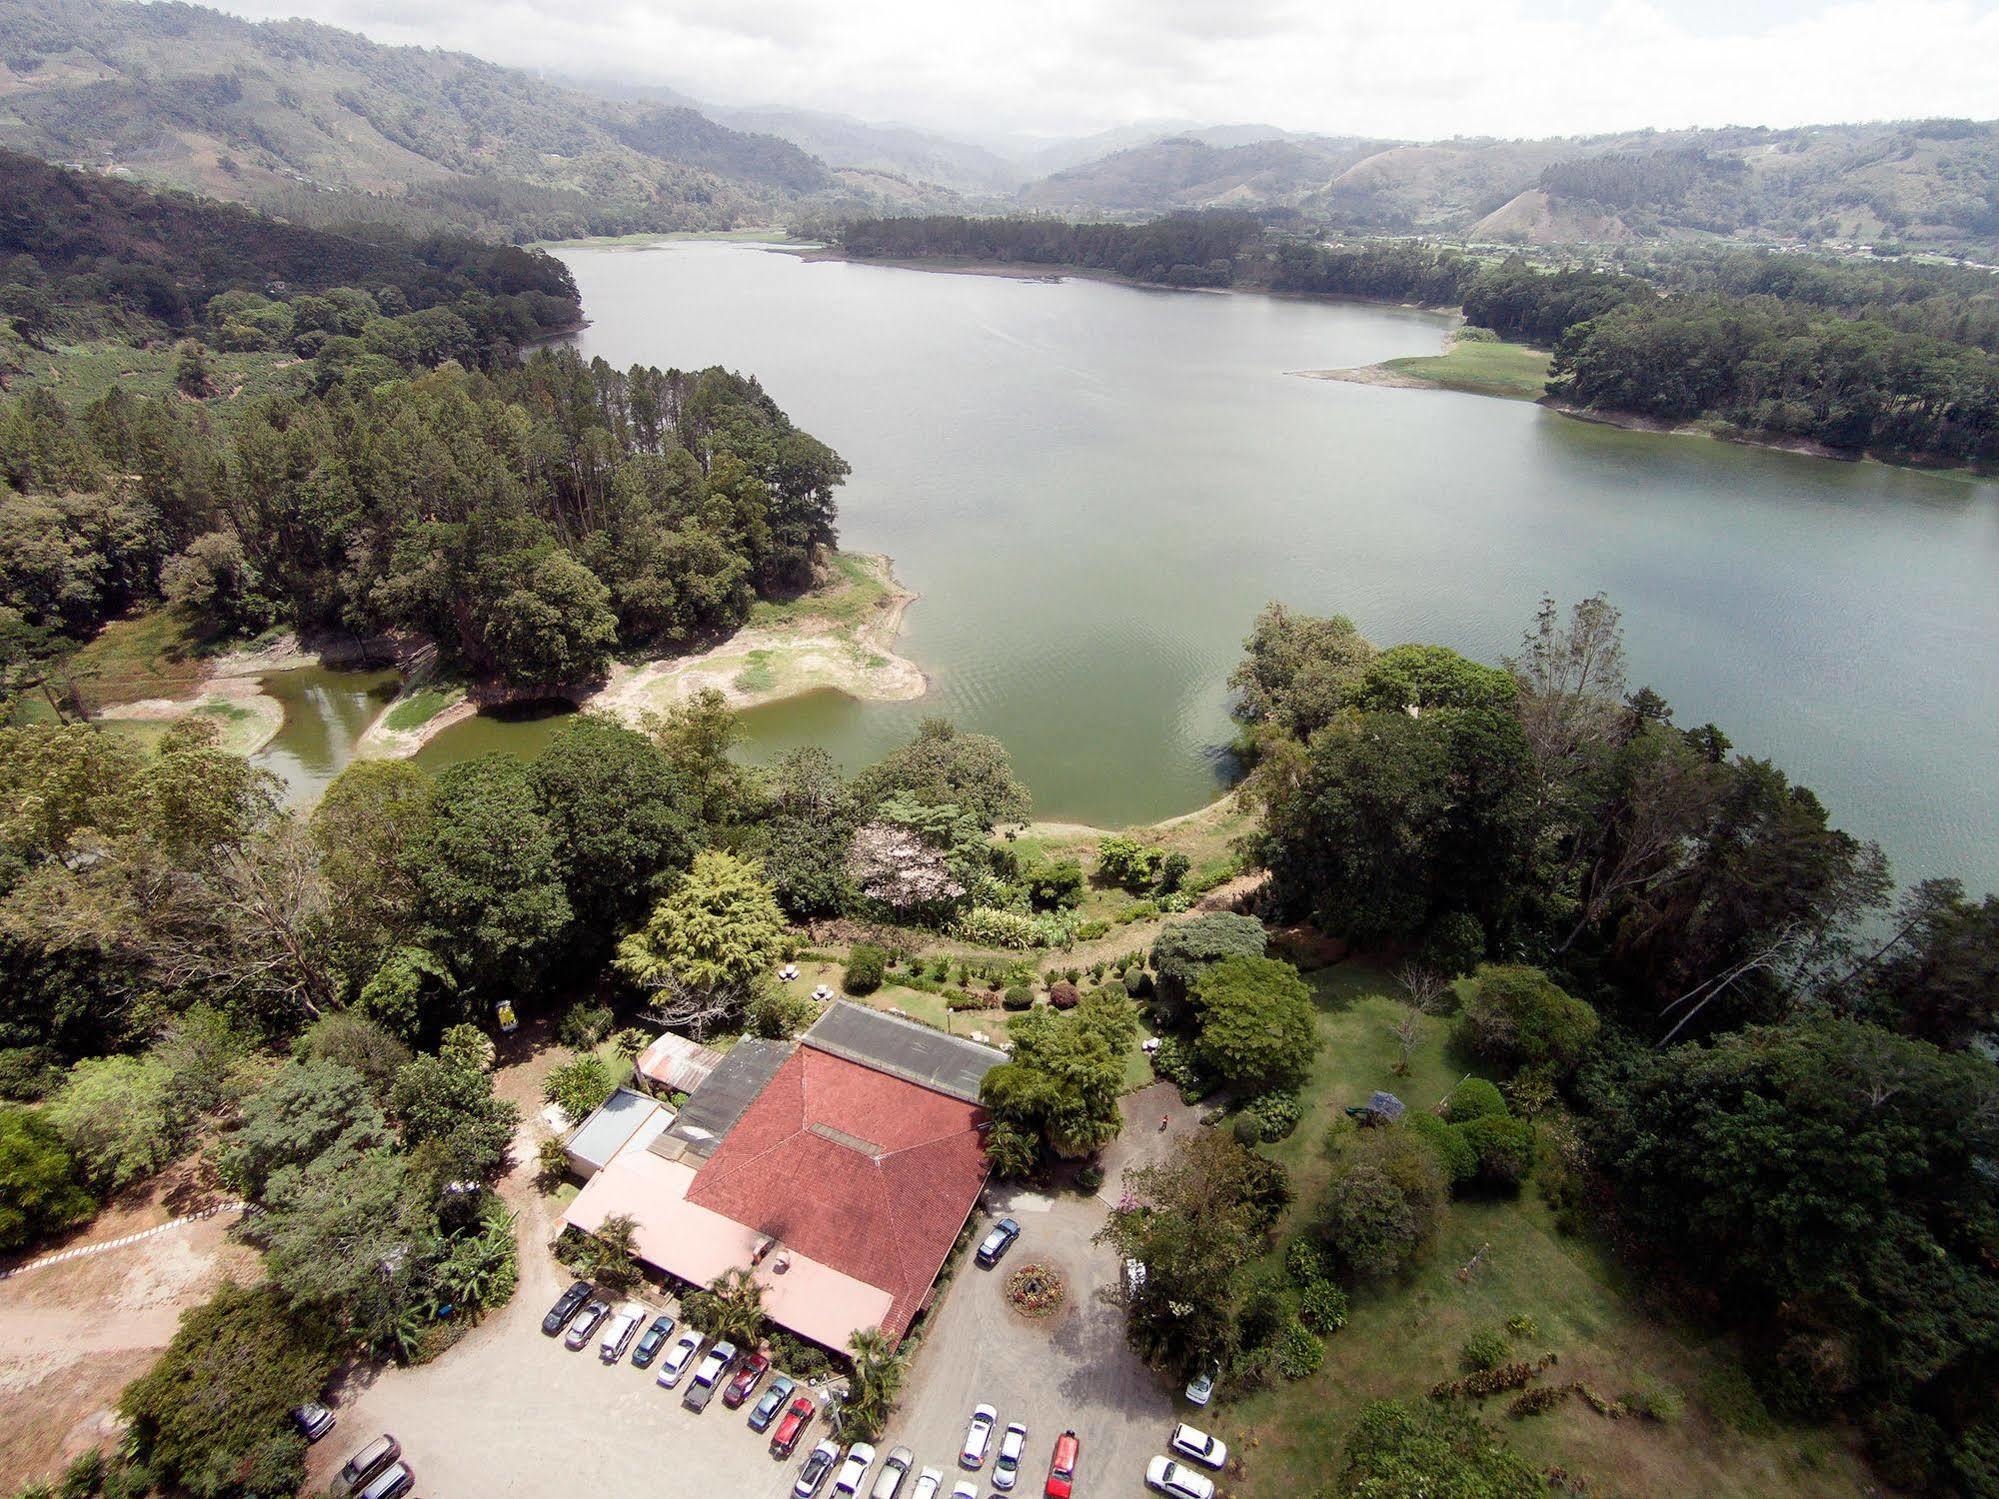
(566, 1306)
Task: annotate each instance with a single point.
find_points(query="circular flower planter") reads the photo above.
(1036, 1290)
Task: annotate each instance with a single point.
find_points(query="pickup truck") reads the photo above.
(702, 1388)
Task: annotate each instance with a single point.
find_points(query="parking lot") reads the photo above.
(514, 1414)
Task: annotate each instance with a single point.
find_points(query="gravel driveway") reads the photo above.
(1072, 1372)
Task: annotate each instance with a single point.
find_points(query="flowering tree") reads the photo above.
(891, 863)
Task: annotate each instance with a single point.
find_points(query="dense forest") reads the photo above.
(1183, 250)
(1783, 1094)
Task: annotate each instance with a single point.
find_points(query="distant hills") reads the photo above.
(326, 126)
(1931, 183)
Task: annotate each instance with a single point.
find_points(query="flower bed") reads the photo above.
(1036, 1290)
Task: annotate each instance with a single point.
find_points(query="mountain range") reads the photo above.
(327, 127)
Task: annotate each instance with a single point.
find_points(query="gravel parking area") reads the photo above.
(1071, 1372)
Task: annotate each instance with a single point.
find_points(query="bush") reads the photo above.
(867, 966)
(1183, 950)
(1056, 886)
(988, 926)
(1172, 871)
(1518, 1017)
(40, 1190)
(1248, 1131)
(1322, 1306)
(28, 1073)
(1017, 998)
(1089, 1178)
(1176, 1062)
(1474, 1098)
(1454, 1152)
(1299, 1351)
(1274, 1116)
(579, 1086)
(1384, 1205)
(1127, 863)
(1063, 996)
(1504, 1146)
(1484, 1350)
(965, 999)
(1455, 944)
(778, 1014)
(583, 1026)
(1653, 1402)
(1306, 1262)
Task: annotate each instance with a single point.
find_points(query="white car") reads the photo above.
(1177, 1480)
(978, 1437)
(854, 1471)
(1201, 1388)
(678, 1358)
(928, 1484)
(964, 1488)
(895, 1468)
(818, 1463)
(1006, 1467)
(618, 1334)
(1191, 1441)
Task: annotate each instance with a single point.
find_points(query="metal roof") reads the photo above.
(615, 1121)
(712, 1109)
(903, 1048)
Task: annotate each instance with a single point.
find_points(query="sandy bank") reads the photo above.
(1369, 374)
(247, 717)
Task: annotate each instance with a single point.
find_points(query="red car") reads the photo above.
(792, 1427)
(1062, 1467)
(753, 1370)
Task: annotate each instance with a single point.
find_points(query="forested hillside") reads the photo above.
(1920, 183)
(332, 127)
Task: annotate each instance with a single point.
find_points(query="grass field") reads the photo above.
(83, 372)
(420, 707)
(1487, 369)
(149, 655)
(1206, 837)
(1402, 1339)
(857, 590)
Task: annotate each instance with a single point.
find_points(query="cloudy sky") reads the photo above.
(1415, 68)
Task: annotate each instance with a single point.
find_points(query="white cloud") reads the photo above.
(1445, 67)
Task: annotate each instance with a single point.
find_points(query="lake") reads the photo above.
(1096, 487)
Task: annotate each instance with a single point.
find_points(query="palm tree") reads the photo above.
(880, 1366)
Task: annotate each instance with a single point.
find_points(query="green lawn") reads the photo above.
(851, 596)
(1487, 369)
(148, 655)
(1402, 1339)
(418, 708)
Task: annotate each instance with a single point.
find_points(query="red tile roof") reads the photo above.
(861, 1171)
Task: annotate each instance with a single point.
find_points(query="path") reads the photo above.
(82, 1251)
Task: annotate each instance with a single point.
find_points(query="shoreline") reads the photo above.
(810, 651)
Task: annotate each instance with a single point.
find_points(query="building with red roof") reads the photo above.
(842, 1170)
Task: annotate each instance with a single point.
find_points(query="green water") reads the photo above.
(326, 711)
(1095, 488)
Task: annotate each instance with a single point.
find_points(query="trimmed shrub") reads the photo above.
(1505, 1148)
(1474, 1098)
(1089, 1178)
(1274, 1116)
(1322, 1306)
(1248, 1131)
(965, 999)
(1299, 1351)
(1017, 998)
(1484, 1350)
(1063, 996)
(867, 966)
(1454, 1152)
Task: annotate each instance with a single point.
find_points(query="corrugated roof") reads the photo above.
(712, 1110)
(903, 1048)
(673, 1061)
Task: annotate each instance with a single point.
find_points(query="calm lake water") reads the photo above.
(1095, 488)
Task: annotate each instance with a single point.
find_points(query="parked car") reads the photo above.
(1006, 1467)
(929, 1483)
(772, 1401)
(818, 1463)
(312, 1419)
(652, 1340)
(747, 1379)
(1192, 1442)
(1201, 1388)
(964, 1488)
(895, 1468)
(618, 1334)
(1062, 1467)
(784, 1440)
(1176, 1480)
(585, 1324)
(714, 1369)
(369, 1461)
(854, 1471)
(679, 1359)
(978, 1437)
(997, 1242)
(567, 1305)
(392, 1482)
